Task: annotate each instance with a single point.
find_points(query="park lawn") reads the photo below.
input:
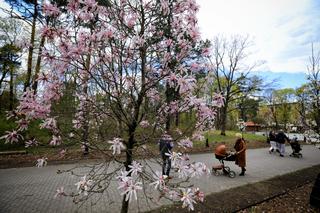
(252, 140)
(74, 152)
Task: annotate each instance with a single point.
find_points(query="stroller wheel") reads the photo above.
(232, 174)
(226, 170)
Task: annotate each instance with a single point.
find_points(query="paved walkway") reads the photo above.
(32, 189)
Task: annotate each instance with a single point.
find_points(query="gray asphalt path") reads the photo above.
(32, 189)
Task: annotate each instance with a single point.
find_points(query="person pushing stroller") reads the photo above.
(281, 139)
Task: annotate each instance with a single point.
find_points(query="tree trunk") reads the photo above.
(223, 120)
(38, 66)
(129, 157)
(31, 48)
(85, 129)
(11, 94)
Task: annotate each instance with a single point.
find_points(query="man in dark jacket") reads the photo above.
(165, 147)
(281, 139)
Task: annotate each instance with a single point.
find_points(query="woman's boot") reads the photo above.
(243, 170)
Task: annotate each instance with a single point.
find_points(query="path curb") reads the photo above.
(242, 197)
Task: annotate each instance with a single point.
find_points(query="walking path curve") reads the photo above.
(32, 189)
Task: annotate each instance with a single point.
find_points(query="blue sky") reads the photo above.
(282, 31)
(285, 79)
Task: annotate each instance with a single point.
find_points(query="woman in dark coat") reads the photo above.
(240, 147)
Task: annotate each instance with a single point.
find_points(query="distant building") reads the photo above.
(252, 127)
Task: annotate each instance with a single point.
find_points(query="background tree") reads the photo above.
(314, 87)
(29, 11)
(230, 71)
(10, 55)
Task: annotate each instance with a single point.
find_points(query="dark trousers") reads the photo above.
(166, 166)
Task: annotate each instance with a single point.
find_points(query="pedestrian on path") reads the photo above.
(281, 139)
(240, 147)
(273, 142)
(165, 147)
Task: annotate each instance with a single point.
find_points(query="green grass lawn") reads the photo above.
(253, 141)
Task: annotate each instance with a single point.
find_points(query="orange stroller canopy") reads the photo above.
(221, 150)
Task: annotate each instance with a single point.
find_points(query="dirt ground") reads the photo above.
(289, 193)
(296, 200)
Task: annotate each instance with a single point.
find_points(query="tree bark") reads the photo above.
(223, 120)
(85, 129)
(11, 94)
(31, 47)
(125, 203)
(38, 66)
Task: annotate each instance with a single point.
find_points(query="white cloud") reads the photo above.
(3, 5)
(282, 30)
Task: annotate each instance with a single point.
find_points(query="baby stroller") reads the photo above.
(222, 155)
(296, 148)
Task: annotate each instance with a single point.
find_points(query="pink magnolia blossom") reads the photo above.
(60, 192)
(185, 143)
(198, 136)
(50, 9)
(49, 123)
(218, 100)
(135, 168)
(12, 137)
(165, 7)
(84, 185)
(186, 84)
(174, 157)
(62, 153)
(159, 182)
(116, 146)
(31, 143)
(131, 190)
(23, 124)
(187, 198)
(144, 124)
(199, 195)
(41, 162)
(55, 141)
(198, 169)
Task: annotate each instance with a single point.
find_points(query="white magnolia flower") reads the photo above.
(185, 143)
(116, 146)
(144, 124)
(12, 137)
(187, 198)
(49, 123)
(56, 141)
(199, 195)
(31, 142)
(135, 168)
(131, 190)
(160, 180)
(83, 185)
(41, 162)
(183, 170)
(60, 192)
(174, 157)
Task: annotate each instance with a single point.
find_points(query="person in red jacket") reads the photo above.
(240, 147)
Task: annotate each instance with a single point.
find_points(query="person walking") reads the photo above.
(281, 139)
(240, 147)
(273, 142)
(165, 147)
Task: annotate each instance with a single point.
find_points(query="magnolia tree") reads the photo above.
(125, 58)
